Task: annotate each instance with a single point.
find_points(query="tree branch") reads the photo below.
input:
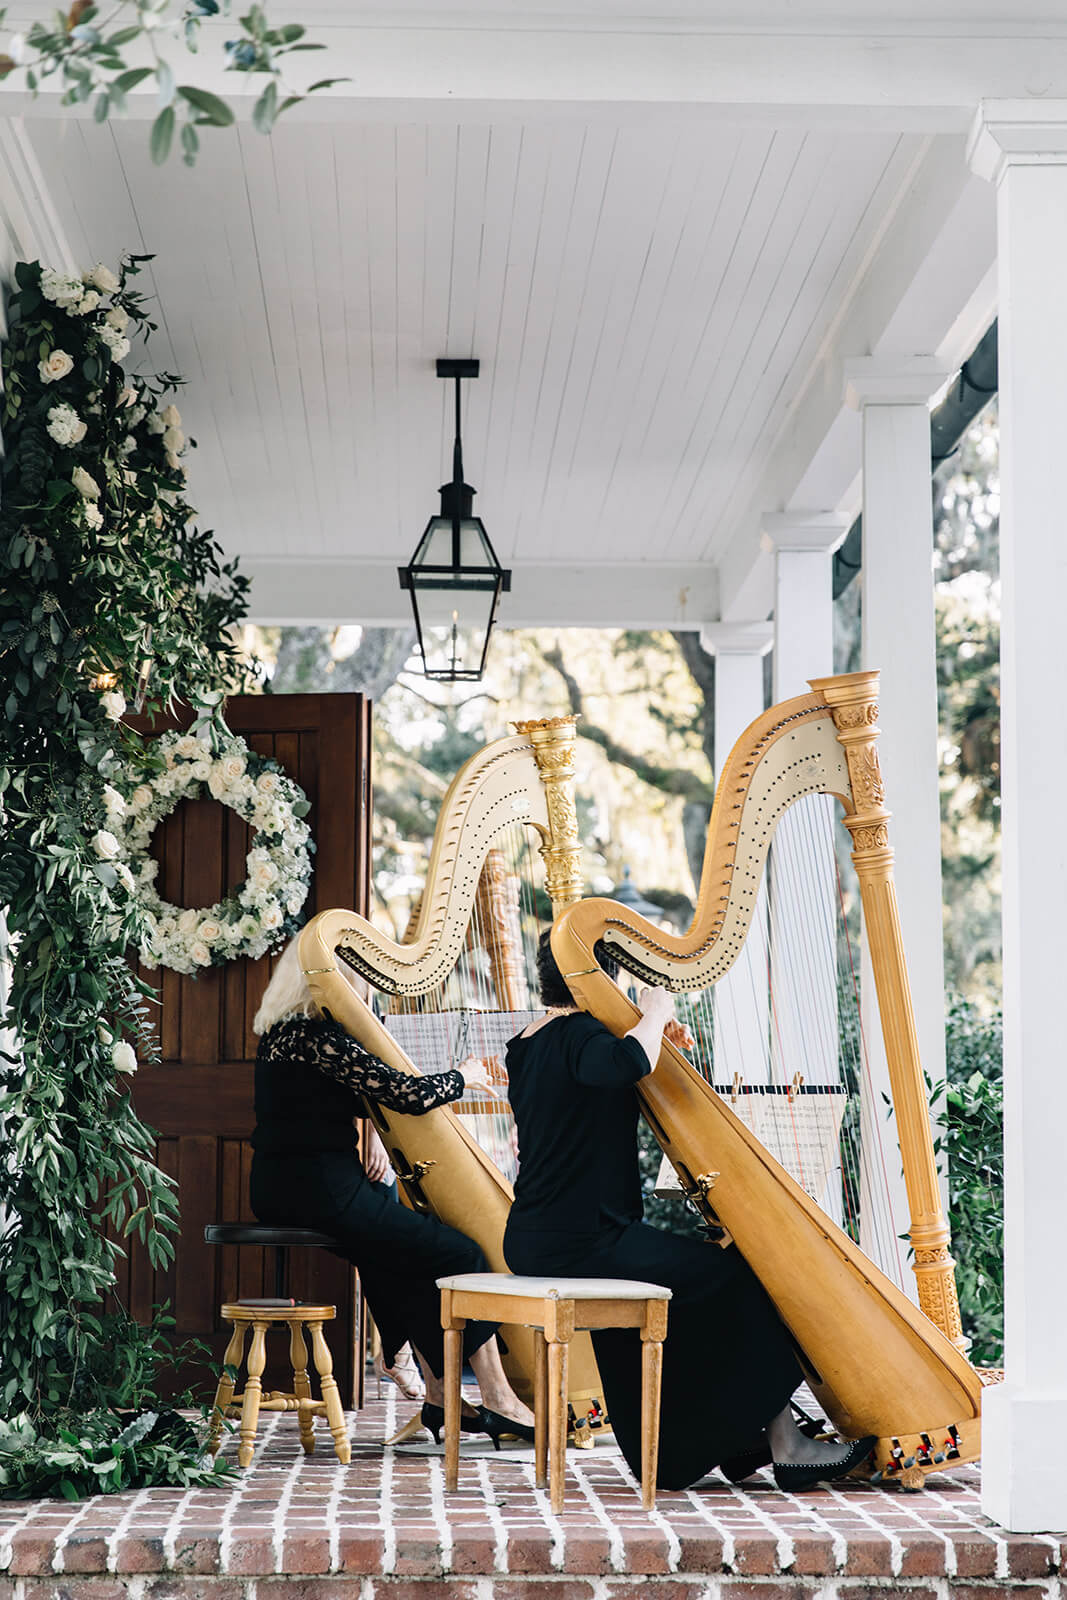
(670, 780)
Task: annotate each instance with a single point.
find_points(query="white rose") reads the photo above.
(92, 513)
(200, 953)
(267, 782)
(189, 745)
(87, 303)
(116, 342)
(201, 770)
(232, 768)
(156, 423)
(61, 290)
(173, 439)
(295, 901)
(114, 704)
(55, 365)
(119, 319)
(271, 915)
(65, 425)
(104, 1033)
(123, 1057)
(102, 278)
(188, 920)
(209, 931)
(172, 417)
(141, 797)
(126, 877)
(263, 874)
(85, 483)
(114, 804)
(106, 845)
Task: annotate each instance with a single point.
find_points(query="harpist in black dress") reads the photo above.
(306, 1172)
(729, 1365)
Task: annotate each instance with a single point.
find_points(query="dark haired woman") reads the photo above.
(729, 1365)
(311, 1078)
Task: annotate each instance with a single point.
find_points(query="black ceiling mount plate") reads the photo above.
(462, 367)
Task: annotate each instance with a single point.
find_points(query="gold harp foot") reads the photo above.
(411, 1427)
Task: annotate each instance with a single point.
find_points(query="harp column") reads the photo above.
(740, 1000)
(1021, 147)
(899, 640)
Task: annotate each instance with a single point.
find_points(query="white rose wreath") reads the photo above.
(262, 911)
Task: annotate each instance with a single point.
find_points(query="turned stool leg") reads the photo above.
(257, 1360)
(224, 1392)
(335, 1415)
(540, 1408)
(298, 1355)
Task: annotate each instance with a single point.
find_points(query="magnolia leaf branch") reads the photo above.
(85, 53)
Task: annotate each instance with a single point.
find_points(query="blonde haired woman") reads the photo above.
(311, 1079)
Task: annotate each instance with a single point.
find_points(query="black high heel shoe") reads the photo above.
(795, 1476)
(481, 1420)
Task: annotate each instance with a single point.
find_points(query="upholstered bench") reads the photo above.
(556, 1307)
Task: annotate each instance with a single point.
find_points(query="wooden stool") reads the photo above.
(259, 1317)
(556, 1307)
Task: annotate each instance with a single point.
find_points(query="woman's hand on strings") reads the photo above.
(678, 1034)
(476, 1076)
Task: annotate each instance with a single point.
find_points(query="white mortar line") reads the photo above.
(964, 1520)
(170, 1532)
(385, 1499)
(225, 1525)
(674, 1544)
(852, 1503)
(120, 1528)
(616, 1547)
(551, 1521)
(7, 1542)
(787, 1550)
(58, 1561)
(729, 1544)
(496, 1522)
(282, 1506)
(333, 1500)
(439, 1512)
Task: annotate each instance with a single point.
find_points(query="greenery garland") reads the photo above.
(105, 579)
(262, 912)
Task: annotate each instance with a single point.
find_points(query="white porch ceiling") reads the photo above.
(661, 298)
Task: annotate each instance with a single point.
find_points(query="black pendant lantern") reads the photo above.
(454, 576)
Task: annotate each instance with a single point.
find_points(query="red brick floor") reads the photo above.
(383, 1529)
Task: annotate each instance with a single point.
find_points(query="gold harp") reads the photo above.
(876, 1363)
(526, 779)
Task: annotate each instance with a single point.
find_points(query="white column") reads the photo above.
(803, 882)
(1021, 146)
(741, 1000)
(899, 638)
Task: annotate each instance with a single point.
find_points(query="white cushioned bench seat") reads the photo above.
(553, 1288)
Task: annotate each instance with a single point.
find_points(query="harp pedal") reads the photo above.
(706, 1181)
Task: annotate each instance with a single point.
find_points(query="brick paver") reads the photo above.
(383, 1528)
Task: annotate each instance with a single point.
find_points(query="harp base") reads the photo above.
(907, 1459)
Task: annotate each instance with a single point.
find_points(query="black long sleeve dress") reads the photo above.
(729, 1364)
(311, 1077)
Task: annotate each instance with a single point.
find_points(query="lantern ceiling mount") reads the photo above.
(454, 578)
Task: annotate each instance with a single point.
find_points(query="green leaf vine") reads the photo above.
(107, 585)
(84, 53)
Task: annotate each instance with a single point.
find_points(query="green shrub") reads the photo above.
(974, 1142)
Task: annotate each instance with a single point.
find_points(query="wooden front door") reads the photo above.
(199, 1099)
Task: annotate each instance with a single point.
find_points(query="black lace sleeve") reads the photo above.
(335, 1053)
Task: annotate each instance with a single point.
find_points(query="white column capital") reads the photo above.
(892, 381)
(1010, 133)
(737, 638)
(815, 532)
